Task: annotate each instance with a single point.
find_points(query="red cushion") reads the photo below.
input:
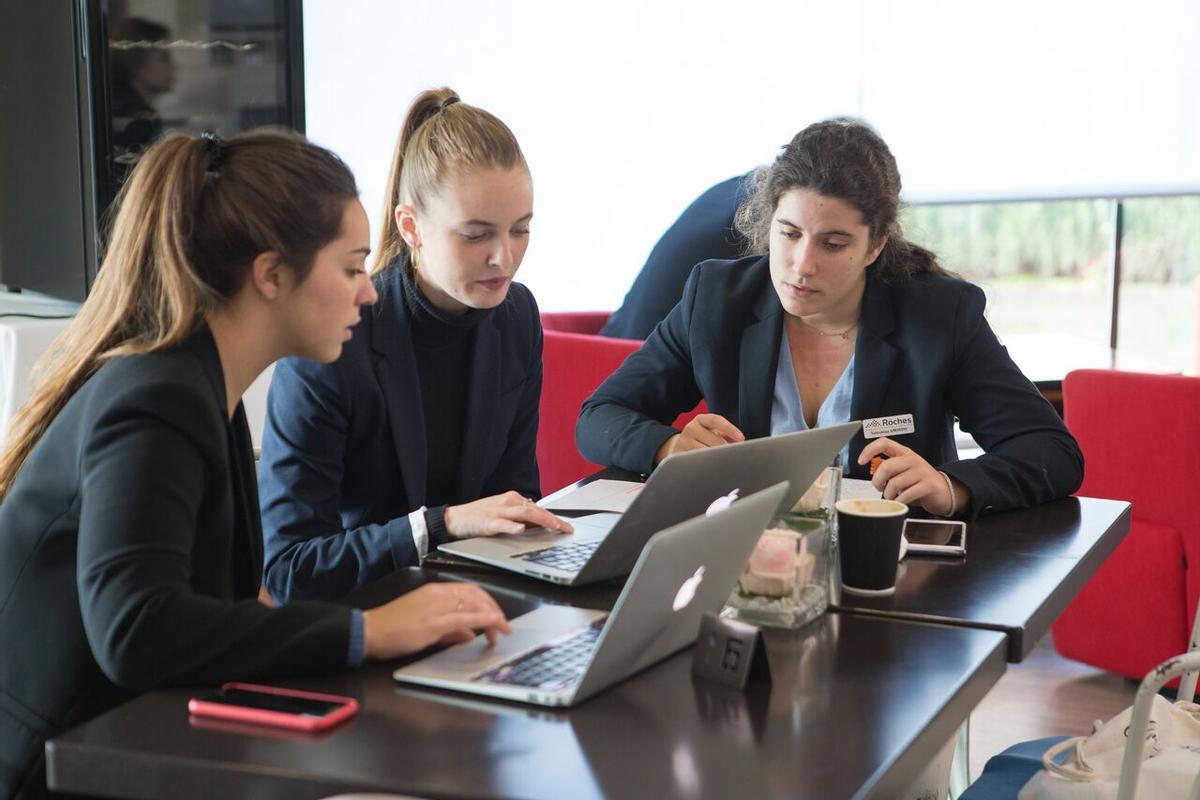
(575, 321)
(573, 366)
(1133, 613)
(1139, 434)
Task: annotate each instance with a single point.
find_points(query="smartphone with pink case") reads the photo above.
(274, 706)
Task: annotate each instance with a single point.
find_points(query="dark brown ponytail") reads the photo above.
(190, 220)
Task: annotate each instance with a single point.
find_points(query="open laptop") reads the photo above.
(607, 545)
(559, 656)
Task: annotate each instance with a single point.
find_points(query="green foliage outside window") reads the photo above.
(1046, 269)
(1063, 239)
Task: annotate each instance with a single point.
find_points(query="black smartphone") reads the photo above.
(942, 537)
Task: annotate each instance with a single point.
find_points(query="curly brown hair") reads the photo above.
(843, 158)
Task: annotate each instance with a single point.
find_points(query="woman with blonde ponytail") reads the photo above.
(371, 461)
(130, 539)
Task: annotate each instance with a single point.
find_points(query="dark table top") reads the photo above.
(1021, 570)
(856, 707)
(860, 701)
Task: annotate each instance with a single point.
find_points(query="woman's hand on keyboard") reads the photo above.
(502, 513)
(436, 613)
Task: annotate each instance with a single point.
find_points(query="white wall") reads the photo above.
(626, 110)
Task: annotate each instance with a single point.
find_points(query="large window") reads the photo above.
(1160, 263)
(1047, 268)
(627, 110)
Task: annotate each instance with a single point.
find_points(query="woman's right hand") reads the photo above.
(704, 430)
(436, 613)
(501, 513)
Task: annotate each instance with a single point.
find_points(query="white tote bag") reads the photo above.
(1092, 769)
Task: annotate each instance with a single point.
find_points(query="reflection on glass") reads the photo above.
(191, 66)
(142, 71)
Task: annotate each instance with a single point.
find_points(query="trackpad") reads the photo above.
(592, 526)
(530, 630)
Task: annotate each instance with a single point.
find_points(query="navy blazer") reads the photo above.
(131, 556)
(344, 452)
(923, 348)
(704, 231)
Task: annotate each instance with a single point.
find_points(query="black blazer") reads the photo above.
(344, 451)
(131, 556)
(923, 348)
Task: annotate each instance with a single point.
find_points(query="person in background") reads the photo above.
(130, 541)
(703, 231)
(142, 71)
(425, 429)
(840, 319)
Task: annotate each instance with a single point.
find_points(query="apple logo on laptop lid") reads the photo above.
(721, 503)
(687, 589)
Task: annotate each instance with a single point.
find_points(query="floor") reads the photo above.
(1045, 695)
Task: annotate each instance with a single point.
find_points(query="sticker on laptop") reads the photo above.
(888, 426)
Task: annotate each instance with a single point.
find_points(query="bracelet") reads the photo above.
(953, 498)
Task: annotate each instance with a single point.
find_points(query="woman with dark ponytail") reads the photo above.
(370, 462)
(130, 543)
(841, 319)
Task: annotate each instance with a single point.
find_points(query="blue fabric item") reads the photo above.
(703, 231)
(787, 412)
(1005, 774)
(358, 643)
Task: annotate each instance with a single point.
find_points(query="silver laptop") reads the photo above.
(607, 545)
(559, 656)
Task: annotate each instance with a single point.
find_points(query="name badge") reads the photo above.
(888, 426)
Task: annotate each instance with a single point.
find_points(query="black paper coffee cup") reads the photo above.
(869, 544)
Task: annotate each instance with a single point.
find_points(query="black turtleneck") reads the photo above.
(442, 344)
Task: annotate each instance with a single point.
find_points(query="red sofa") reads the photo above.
(575, 361)
(1137, 433)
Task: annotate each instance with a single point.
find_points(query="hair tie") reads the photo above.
(449, 101)
(212, 145)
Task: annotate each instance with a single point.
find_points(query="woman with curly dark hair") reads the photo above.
(842, 318)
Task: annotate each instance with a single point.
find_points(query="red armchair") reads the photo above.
(575, 362)
(589, 322)
(1139, 435)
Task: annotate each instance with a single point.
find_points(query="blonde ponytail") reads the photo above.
(440, 133)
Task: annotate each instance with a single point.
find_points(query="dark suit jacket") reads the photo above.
(344, 452)
(704, 231)
(131, 555)
(923, 348)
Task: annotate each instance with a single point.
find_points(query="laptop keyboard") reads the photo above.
(568, 557)
(553, 665)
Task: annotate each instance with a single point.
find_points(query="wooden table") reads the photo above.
(856, 708)
(861, 700)
(1021, 570)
